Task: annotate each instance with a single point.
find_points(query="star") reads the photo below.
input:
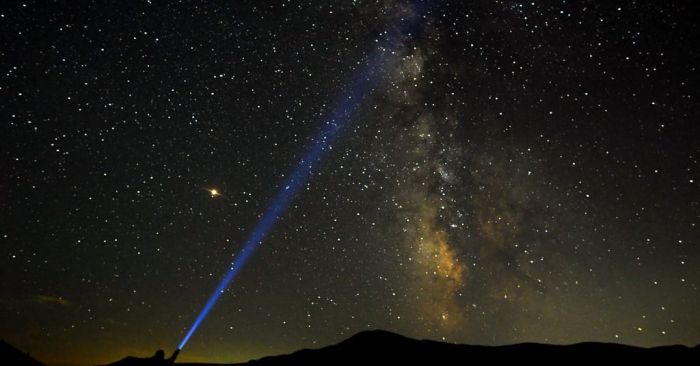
(445, 170)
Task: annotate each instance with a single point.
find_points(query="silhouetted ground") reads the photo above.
(10, 355)
(381, 347)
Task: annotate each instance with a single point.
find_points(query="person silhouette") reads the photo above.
(171, 359)
(159, 357)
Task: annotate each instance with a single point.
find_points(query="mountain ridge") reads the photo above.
(10, 355)
(380, 346)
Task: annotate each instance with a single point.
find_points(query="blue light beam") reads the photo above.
(365, 79)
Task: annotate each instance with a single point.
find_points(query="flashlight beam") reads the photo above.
(365, 80)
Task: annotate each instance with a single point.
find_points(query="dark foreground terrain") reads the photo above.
(10, 355)
(381, 347)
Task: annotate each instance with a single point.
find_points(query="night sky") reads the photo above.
(522, 172)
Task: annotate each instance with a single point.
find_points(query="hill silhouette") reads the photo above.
(10, 355)
(382, 347)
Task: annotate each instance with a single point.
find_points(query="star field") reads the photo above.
(523, 172)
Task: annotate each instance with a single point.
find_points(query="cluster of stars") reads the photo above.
(523, 172)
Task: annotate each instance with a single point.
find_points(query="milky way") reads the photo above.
(522, 172)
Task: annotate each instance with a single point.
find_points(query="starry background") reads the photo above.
(525, 171)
